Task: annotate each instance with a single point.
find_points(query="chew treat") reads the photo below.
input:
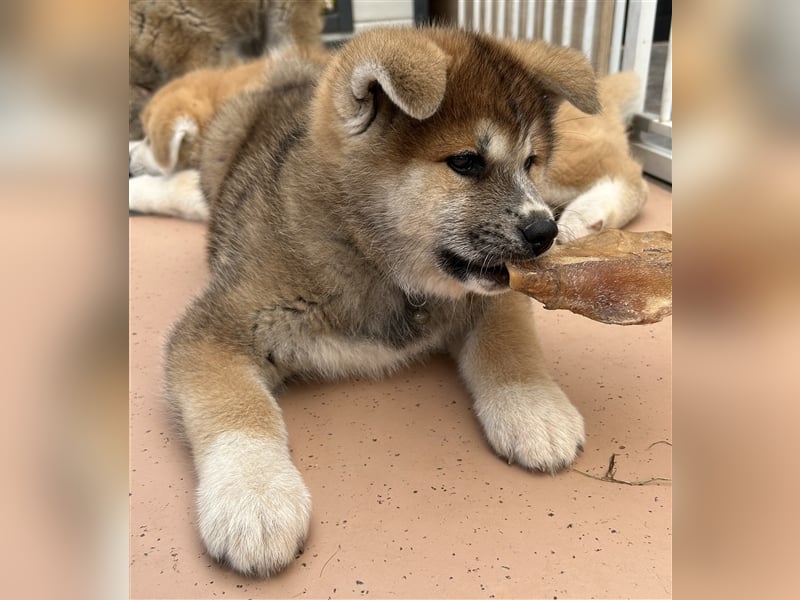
(618, 277)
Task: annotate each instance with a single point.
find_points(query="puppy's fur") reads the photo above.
(168, 38)
(361, 215)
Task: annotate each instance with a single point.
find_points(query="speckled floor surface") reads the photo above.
(409, 501)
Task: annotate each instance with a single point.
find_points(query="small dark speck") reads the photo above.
(550, 514)
(359, 582)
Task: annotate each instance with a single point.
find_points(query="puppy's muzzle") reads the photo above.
(539, 234)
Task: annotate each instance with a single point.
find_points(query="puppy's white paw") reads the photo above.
(575, 224)
(535, 426)
(253, 507)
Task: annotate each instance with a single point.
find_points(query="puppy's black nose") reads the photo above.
(540, 234)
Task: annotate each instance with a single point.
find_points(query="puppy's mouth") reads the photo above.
(492, 274)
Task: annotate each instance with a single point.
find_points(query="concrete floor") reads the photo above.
(409, 500)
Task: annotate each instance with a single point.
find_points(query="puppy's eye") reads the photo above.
(468, 164)
(530, 161)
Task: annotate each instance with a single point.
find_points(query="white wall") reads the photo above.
(373, 13)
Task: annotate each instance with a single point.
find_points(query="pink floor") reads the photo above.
(409, 501)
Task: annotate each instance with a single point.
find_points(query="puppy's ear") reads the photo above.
(166, 140)
(410, 69)
(566, 73)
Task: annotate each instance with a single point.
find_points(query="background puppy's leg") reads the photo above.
(611, 203)
(526, 417)
(252, 504)
(176, 195)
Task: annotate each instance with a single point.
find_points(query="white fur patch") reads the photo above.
(499, 147)
(253, 508)
(533, 202)
(609, 203)
(534, 425)
(141, 160)
(177, 195)
(183, 127)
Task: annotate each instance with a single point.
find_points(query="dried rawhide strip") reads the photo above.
(618, 277)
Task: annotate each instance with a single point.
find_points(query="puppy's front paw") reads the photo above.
(253, 507)
(574, 224)
(535, 426)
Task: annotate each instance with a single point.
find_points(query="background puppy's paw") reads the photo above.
(253, 507)
(609, 203)
(535, 426)
(573, 225)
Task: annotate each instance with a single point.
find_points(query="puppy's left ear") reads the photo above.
(565, 73)
(409, 68)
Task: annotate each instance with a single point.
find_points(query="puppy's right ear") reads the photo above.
(409, 68)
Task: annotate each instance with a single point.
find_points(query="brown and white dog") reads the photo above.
(362, 210)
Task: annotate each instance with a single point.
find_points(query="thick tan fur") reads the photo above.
(361, 212)
(168, 38)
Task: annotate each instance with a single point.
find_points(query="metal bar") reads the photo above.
(639, 42)
(531, 20)
(462, 14)
(501, 18)
(566, 27)
(476, 15)
(615, 59)
(656, 161)
(588, 28)
(650, 123)
(487, 17)
(666, 93)
(516, 18)
(547, 34)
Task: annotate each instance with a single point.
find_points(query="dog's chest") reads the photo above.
(319, 338)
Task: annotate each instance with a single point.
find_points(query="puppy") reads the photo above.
(362, 213)
(593, 181)
(168, 38)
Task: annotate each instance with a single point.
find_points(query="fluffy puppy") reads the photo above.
(168, 38)
(362, 212)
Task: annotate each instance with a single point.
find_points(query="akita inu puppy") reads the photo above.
(362, 212)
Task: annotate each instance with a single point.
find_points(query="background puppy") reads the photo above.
(361, 216)
(594, 182)
(168, 38)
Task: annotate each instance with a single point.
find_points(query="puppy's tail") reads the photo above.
(620, 93)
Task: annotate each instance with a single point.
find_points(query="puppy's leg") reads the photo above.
(526, 417)
(253, 507)
(610, 203)
(177, 195)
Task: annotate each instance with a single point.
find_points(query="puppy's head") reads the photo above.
(437, 136)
